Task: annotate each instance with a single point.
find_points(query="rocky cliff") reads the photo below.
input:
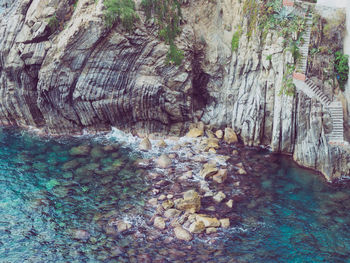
(84, 75)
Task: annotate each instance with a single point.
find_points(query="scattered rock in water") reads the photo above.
(220, 176)
(145, 145)
(229, 203)
(182, 234)
(159, 222)
(82, 150)
(97, 153)
(211, 230)
(167, 204)
(70, 165)
(225, 222)
(190, 202)
(208, 221)
(187, 175)
(241, 171)
(208, 170)
(230, 136)
(172, 213)
(219, 197)
(162, 197)
(153, 201)
(163, 161)
(162, 144)
(80, 234)
(219, 134)
(195, 132)
(234, 152)
(197, 227)
(123, 226)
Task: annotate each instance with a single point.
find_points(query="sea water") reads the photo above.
(48, 192)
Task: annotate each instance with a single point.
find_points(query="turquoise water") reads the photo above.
(282, 213)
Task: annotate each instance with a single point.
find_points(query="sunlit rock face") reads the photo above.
(87, 76)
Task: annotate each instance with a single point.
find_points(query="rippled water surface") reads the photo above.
(49, 192)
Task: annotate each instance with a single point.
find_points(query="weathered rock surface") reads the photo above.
(87, 76)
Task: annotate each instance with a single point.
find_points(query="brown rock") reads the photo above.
(229, 203)
(167, 204)
(191, 202)
(208, 170)
(208, 221)
(211, 230)
(219, 197)
(145, 145)
(123, 226)
(159, 223)
(197, 227)
(161, 144)
(220, 176)
(219, 134)
(194, 133)
(230, 136)
(182, 234)
(225, 222)
(163, 161)
(171, 213)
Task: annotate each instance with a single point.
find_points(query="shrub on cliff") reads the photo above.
(341, 65)
(122, 11)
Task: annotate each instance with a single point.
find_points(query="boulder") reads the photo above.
(211, 230)
(159, 223)
(80, 234)
(161, 144)
(208, 221)
(123, 226)
(230, 136)
(171, 213)
(194, 133)
(220, 176)
(191, 202)
(208, 170)
(82, 150)
(229, 203)
(219, 197)
(225, 222)
(163, 161)
(182, 234)
(145, 145)
(219, 134)
(197, 227)
(167, 204)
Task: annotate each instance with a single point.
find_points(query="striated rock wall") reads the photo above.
(86, 76)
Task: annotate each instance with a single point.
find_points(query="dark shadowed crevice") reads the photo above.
(200, 94)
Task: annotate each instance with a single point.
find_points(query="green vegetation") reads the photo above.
(53, 23)
(235, 40)
(288, 87)
(122, 11)
(341, 65)
(167, 14)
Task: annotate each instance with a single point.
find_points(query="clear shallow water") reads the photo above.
(285, 214)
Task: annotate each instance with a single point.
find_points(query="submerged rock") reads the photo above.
(182, 234)
(82, 150)
(80, 234)
(191, 202)
(159, 222)
(208, 170)
(145, 145)
(230, 136)
(163, 161)
(195, 132)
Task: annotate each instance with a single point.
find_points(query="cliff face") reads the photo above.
(88, 76)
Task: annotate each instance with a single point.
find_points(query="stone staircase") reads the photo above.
(308, 87)
(304, 47)
(336, 110)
